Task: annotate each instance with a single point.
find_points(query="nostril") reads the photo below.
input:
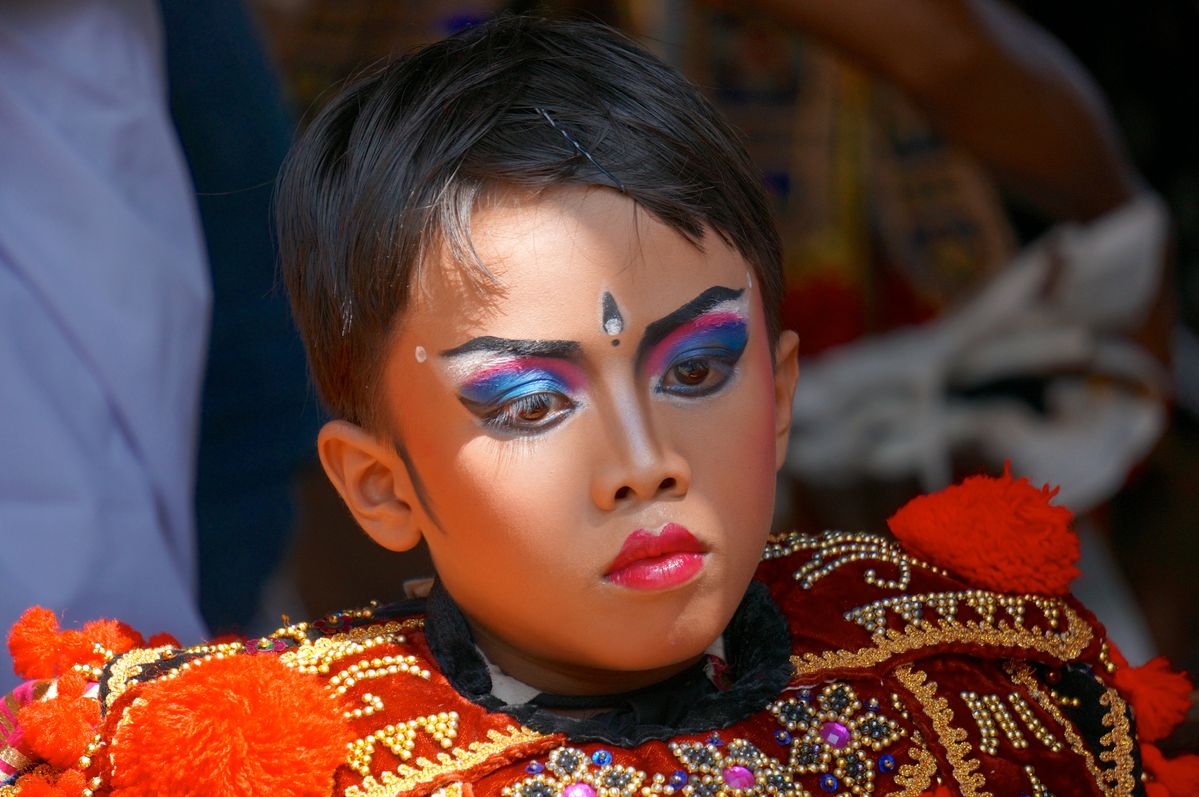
(667, 484)
(622, 493)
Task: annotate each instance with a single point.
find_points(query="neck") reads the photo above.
(561, 678)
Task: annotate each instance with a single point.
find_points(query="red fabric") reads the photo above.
(999, 533)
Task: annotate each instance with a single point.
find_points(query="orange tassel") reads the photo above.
(33, 644)
(40, 649)
(1179, 776)
(999, 533)
(245, 725)
(58, 730)
(1160, 697)
(68, 784)
(163, 640)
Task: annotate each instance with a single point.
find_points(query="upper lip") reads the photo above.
(642, 544)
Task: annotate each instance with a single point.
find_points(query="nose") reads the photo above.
(638, 466)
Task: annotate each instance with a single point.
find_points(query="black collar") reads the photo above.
(756, 642)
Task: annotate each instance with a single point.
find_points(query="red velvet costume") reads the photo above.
(905, 680)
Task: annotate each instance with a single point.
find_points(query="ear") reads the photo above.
(374, 483)
(786, 373)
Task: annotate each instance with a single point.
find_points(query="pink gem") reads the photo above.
(834, 734)
(579, 790)
(738, 777)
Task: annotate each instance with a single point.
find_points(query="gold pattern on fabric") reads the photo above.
(408, 777)
(952, 738)
(915, 779)
(1022, 674)
(915, 609)
(835, 549)
(1065, 645)
(318, 655)
(400, 738)
(1038, 788)
(127, 667)
(1117, 743)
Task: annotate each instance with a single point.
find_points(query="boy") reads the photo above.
(539, 286)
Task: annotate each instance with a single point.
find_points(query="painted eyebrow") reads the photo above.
(560, 349)
(658, 330)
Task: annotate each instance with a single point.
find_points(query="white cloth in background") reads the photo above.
(104, 305)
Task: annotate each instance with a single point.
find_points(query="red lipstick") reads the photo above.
(657, 561)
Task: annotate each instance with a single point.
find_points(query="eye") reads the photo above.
(530, 413)
(697, 375)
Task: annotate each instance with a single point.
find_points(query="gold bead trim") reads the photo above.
(408, 777)
(835, 549)
(1033, 722)
(915, 778)
(401, 739)
(1118, 743)
(953, 739)
(1064, 646)
(1038, 788)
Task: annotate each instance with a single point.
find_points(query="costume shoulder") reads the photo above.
(966, 619)
(352, 704)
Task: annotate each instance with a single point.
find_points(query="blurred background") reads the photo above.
(990, 217)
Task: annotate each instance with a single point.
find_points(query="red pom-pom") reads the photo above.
(34, 644)
(1160, 697)
(1179, 776)
(68, 784)
(40, 649)
(245, 725)
(58, 730)
(164, 640)
(999, 533)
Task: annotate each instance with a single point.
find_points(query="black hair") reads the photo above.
(391, 169)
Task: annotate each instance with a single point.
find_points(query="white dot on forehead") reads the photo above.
(421, 355)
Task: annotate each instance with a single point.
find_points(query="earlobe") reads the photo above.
(374, 483)
(786, 374)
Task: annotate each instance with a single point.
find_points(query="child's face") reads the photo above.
(595, 443)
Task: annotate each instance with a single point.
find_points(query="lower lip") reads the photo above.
(659, 572)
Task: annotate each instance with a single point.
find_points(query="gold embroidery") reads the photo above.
(957, 750)
(915, 778)
(316, 656)
(452, 790)
(913, 608)
(127, 667)
(1064, 646)
(834, 549)
(406, 777)
(1119, 739)
(1022, 674)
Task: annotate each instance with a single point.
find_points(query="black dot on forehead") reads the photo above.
(611, 319)
(615, 341)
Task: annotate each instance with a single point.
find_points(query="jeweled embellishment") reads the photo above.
(833, 736)
(729, 770)
(570, 772)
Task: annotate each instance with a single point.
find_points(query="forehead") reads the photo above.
(555, 255)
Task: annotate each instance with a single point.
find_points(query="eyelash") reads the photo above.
(506, 416)
(717, 360)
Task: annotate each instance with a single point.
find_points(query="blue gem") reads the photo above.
(782, 737)
(715, 740)
(805, 694)
(872, 704)
(535, 768)
(678, 779)
(601, 758)
(886, 764)
(829, 783)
